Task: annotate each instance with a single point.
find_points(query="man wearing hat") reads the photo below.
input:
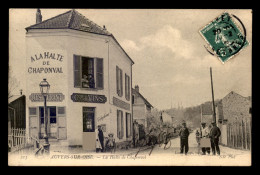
(99, 139)
(205, 134)
(214, 138)
(184, 135)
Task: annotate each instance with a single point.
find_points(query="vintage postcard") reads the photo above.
(130, 87)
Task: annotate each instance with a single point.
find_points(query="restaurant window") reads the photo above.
(127, 87)
(88, 72)
(119, 81)
(88, 119)
(51, 113)
(120, 124)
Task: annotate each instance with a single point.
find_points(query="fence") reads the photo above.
(18, 140)
(239, 133)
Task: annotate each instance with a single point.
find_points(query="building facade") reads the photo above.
(141, 107)
(16, 112)
(90, 77)
(229, 109)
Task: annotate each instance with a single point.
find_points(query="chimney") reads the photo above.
(21, 92)
(137, 88)
(104, 27)
(38, 16)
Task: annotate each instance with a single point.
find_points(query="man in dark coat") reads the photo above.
(101, 137)
(184, 135)
(214, 138)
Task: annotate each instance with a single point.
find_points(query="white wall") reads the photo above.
(36, 44)
(68, 43)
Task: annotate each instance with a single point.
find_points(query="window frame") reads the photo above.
(95, 72)
(85, 111)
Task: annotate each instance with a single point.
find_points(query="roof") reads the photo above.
(234, 93)
(13, 98)
(145, 100)
(70, 20)
(75, 21)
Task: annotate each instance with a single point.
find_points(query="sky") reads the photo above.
(171, 66)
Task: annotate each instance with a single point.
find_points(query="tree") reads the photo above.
(13, 83)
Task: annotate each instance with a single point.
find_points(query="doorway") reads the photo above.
(52, 122)
(89, 136)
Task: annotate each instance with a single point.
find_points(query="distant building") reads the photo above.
(167, 118)
(141, 107)
(16, 112)
(232, 107)
(206, 113)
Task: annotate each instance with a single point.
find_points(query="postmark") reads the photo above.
(224, 37)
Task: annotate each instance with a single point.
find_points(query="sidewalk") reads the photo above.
(159, 155)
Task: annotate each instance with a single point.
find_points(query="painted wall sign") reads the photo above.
(46, 57)
(90, 98)
(51, 97)
(121, 104)
(103, 117)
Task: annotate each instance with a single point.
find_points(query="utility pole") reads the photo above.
(213, 102)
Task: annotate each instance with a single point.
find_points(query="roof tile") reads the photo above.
(71, 20)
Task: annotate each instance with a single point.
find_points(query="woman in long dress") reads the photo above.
(98, 144)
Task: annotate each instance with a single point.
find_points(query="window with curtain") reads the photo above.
(88, 119)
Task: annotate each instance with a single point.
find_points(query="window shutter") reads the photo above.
(131, 125)
(77, 77)
(34, 122)
(127, 126)
(117, 81)
(128, 80)
(99, 69)
(122, 124)
(126, 87)
(121, 82)
(62, 124)
(118, 124)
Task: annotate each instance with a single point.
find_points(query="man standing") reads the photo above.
(184, 135)
(205, 134)
(214, 138)
(99, 139)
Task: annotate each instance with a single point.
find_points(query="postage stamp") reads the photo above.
(224, 37)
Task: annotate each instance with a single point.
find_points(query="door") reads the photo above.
(51, 124)
(89, 136)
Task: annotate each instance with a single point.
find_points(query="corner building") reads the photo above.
(90, 77)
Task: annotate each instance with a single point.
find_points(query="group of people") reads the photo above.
(88, 81)
(101, 142)
(212, 134)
